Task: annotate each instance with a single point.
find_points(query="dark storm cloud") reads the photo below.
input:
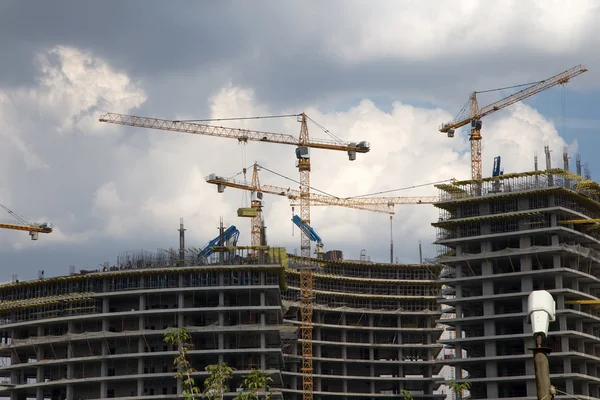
(281, 49)
(150, 37)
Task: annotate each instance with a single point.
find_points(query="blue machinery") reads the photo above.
(497, 170)
(231, 233)
(311, 233)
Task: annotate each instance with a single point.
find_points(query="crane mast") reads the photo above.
(306, 273)
(477, 113)
(256, 203)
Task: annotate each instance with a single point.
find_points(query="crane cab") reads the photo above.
(302, 152)
(476, 125)
(257, 197)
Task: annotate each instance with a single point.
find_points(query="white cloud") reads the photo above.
(74, 86)
(433, 30)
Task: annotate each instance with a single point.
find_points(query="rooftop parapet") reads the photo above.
(520, 182)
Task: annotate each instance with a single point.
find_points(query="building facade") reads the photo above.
(374, 330)
(500, 239)
(100, 334)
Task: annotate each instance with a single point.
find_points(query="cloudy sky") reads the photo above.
(389, 72)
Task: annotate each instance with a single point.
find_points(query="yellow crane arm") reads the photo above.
(580, 221)
(242, 135)
(376, 204)
(583, 302)
(43, 228)
(558, 79)
(23, 225)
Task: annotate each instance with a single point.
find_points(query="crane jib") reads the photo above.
(558, 79)
(243, 135)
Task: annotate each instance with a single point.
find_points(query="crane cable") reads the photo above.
(464, 108)
(510, 87)
(244, 194)
(362, 195)
(563, 108)
(327, 131)
(237, 118)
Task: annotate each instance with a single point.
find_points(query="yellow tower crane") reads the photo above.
(374, 204)
(476, 113)
(256, 195)
(22, 224)
(303, 143)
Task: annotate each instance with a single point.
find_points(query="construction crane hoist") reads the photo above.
(476, 113)
(22, 224)
(303, 144)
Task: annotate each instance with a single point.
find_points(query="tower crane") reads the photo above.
(22, 224)
(303, 144)
(256, 200)
(374, 204)
(476, 113)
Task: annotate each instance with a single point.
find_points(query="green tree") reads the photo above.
(252, 385)
(215, 385)
(181, 338)
(407, 394)
(458, 388)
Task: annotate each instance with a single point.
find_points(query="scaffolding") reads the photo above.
(519, 182)
(367, 314)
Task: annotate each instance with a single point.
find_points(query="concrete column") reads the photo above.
(344, 340)
(181, 305)
(556, 261)
(104, 368)
(221, 339)
(69, 392)
(142, 316)
(489, 329)
(558, 281)
(486, 269)
(492, 390)
(263, 346)
(371, 351)
(585, 388)
(103, 389)
(105, 309)
(140, 387)
(569, 385)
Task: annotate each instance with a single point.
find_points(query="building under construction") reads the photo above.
(99, 334)
(500, 238)
(374, 330)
